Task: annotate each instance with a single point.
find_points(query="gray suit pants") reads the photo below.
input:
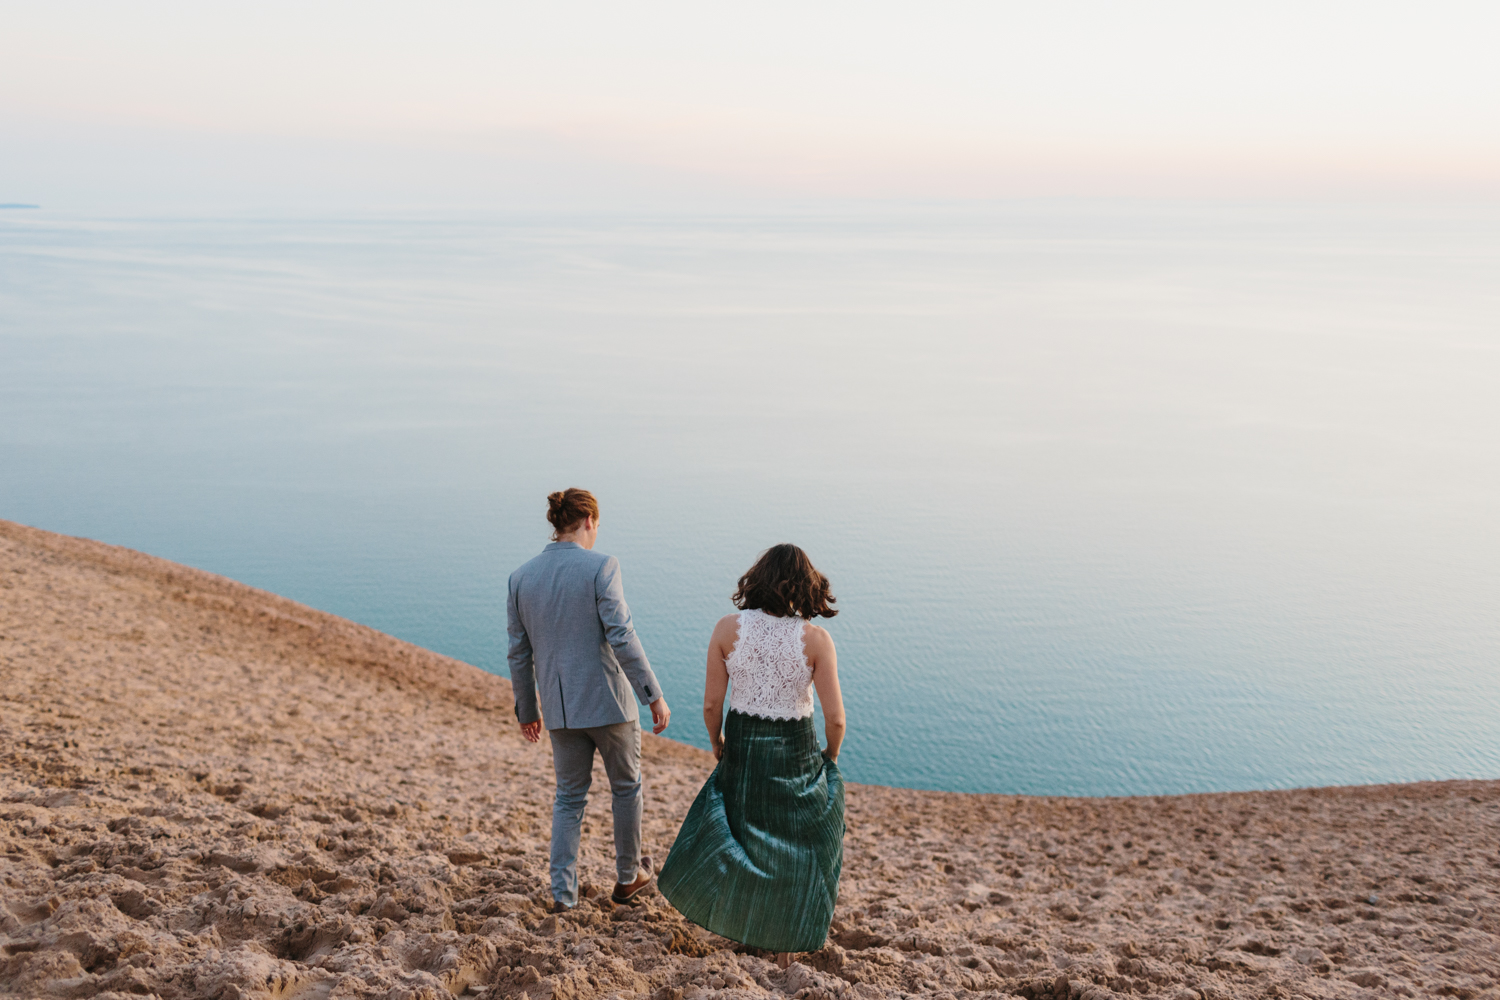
(619, 746)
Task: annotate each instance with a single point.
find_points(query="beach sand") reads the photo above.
(210, 791)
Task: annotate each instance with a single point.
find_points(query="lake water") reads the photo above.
(1115, 497)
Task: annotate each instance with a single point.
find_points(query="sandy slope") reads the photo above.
(210, 791)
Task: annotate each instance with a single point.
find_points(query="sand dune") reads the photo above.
(210, 791)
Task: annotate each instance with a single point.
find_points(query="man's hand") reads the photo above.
(532, 731)
(660, 715)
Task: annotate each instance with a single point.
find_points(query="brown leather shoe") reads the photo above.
(627, 892)
(558, 906)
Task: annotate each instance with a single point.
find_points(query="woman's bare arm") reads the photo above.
(716, 684)
(824, 661)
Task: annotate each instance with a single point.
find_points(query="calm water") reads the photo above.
(1116, 498)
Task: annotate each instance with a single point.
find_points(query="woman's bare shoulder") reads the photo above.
(816, 636)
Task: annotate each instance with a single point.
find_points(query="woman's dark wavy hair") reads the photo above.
(785, 583)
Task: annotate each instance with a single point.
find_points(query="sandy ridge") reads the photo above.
(207, 790)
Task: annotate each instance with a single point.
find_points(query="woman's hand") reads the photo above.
(718, 749)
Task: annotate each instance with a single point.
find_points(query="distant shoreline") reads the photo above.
(16, 204)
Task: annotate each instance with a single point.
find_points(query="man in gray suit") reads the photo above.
(575, 662)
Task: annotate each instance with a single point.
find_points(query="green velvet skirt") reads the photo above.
(758, 857)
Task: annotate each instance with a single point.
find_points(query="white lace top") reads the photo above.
(768, 668)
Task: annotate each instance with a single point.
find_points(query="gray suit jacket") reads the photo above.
(571, 641)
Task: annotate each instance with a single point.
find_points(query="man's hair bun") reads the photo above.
(566, 508)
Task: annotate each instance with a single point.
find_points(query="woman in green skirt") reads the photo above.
(758, 857)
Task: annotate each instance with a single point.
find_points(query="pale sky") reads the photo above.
(382, 102)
